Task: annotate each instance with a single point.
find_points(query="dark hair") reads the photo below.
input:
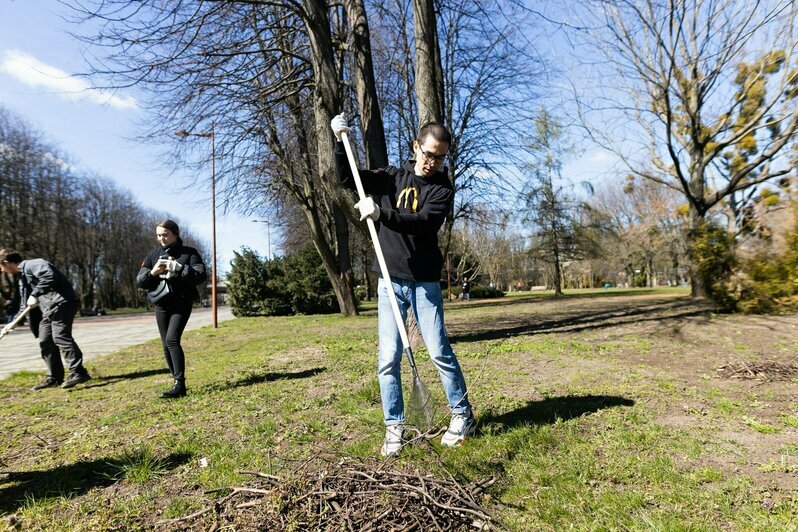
(170, 225)
(437, 130)
(10, 255)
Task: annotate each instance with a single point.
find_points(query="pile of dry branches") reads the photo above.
(348, 495)
(764, 371)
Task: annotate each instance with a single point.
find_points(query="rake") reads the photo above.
(420, 404)
(17, 320)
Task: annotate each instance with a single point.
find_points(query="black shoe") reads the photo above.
(75, 379)
(178, 389)
(49, 382)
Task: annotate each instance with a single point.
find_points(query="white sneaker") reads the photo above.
(393, 440)
(460, 427)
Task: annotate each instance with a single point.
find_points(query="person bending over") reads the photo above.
(43, 286)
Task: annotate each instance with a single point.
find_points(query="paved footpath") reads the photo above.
(96, 336)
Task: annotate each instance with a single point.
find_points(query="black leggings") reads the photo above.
(172, 322)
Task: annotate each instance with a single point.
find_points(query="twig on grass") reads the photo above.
(348, 494)
(185, 517)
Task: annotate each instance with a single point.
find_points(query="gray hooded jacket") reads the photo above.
(45, 282)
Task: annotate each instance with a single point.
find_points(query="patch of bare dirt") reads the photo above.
(731, 377)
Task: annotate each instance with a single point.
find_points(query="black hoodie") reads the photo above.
(184, 284)
(412, 210)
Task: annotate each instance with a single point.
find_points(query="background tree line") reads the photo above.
(92, 230)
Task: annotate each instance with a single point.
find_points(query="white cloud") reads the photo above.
(35, 73)
(9, 151)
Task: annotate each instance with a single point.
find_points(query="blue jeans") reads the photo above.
(426, 300)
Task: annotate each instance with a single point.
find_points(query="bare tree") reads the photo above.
(95, 232)
(491, 75)
(690, 83)
(264, 74)
(366, 85)
(428, 69)
(561, 222)
(648, 230)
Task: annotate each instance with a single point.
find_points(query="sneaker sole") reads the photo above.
(388, 455)
(460, 442)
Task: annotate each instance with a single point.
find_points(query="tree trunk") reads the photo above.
(366, 87)
(429, 78)
(557, 276)
(697, 189)
(697, 286)
(326, 104)
(341, 280)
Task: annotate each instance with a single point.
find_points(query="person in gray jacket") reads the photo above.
(43, 285)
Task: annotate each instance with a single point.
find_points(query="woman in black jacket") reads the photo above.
(181, 269)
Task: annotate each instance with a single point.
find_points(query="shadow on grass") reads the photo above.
(105, 380)
(550, 297)
(70, 480)
(550, 410)
(259, 378)
(504, 327)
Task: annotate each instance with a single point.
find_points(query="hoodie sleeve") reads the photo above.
(144, 279)
(426, 221)
(194, 272)
(371, 178)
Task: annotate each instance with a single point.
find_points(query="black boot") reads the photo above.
(76, 377)
(178, 389)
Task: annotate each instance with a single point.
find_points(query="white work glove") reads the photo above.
(173, 266)
(368, 209)
(339, 125)
(33, 301)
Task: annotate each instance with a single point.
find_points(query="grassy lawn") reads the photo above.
(606, 410)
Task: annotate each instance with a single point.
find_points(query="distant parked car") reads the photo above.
(96, 311)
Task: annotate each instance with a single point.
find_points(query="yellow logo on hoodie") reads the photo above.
(406, 193)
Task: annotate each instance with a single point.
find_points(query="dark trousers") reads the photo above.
(55, 340)
(172, 322)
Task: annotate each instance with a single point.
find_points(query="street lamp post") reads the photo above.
(268, 238)
(183, 134)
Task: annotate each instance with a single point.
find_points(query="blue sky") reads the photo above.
(95, 128)
(38, 58)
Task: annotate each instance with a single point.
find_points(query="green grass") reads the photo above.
(139, 465)
(576, 426)
(789, 420)
(764, 428)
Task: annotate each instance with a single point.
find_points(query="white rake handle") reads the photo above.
(19, 318)
(400, 324)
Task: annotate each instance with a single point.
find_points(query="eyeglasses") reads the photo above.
(432, 157)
